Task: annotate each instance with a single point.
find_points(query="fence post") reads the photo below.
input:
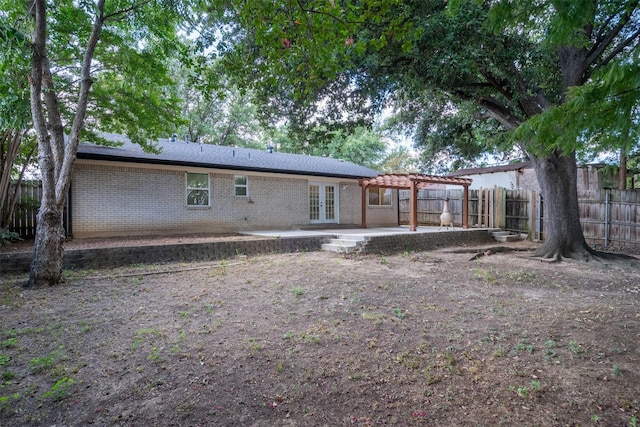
(490, 202)
(500, 207)
(606, 218)
(481, 208)
(531, 196)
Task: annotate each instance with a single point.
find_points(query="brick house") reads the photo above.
(200, 188)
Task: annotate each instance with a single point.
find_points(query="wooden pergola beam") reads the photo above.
(413, 182)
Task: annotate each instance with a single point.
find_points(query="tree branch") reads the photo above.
(56, 128)
(499, 112)
(122, 11)
(501, 86)
(62, 183)
(330, 15)
(35, 82)
(607, 39)
(633, 38)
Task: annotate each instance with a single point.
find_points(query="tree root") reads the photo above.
(479, 253)
(582, 254)
(585, 254)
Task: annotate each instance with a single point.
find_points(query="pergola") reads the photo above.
(413, 182)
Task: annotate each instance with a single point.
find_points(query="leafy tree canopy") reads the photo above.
(536, 73)
(131, 85)
(459, 62)
(93, 66)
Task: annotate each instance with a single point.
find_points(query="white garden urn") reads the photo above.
(446, 217)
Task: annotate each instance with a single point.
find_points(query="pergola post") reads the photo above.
(413, 209)
(465, 206)
(363, 217)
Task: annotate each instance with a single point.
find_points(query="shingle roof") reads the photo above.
(192, 154)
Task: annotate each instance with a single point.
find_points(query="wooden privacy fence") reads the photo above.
(23, 219)
(492, 208)
(608, 217)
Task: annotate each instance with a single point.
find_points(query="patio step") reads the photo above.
(345, 244)
(505, 236)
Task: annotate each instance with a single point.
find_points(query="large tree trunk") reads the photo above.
(55, 155)
(46, 268)
(557, 176)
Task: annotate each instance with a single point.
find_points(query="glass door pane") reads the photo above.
(314, 202)
(329, 202)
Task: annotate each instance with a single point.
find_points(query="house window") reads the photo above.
(241, 186)
(379, 196)
(197, 189)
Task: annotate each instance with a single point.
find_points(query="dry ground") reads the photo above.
(319, 339)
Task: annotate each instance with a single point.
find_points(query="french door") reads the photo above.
(323, 203)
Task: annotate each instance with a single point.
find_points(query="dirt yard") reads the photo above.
(319, 339)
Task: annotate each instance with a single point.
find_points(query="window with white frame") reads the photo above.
(241, 186)
(197, 189)
(379, 196)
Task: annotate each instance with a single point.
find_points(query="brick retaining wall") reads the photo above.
(117, 257)
(426, 241)
(17, 263)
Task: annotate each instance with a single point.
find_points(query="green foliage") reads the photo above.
(576, 348)
(399, 160)
(60, 389)
(15, 112)
(44, 363)
(7, 236)
(9, 342)
(5, 401)
(131, 82)
(214, 110)
(359, 145)
(16, 146)
(463, 74)
(399, 313)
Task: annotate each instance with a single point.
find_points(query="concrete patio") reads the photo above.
(360, 232)
(384, 239)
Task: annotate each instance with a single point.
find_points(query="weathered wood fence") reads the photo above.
(23, 219)
(609, 218)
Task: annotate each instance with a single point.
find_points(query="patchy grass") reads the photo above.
(321, 339)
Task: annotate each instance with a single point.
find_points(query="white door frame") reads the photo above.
(321, 209)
